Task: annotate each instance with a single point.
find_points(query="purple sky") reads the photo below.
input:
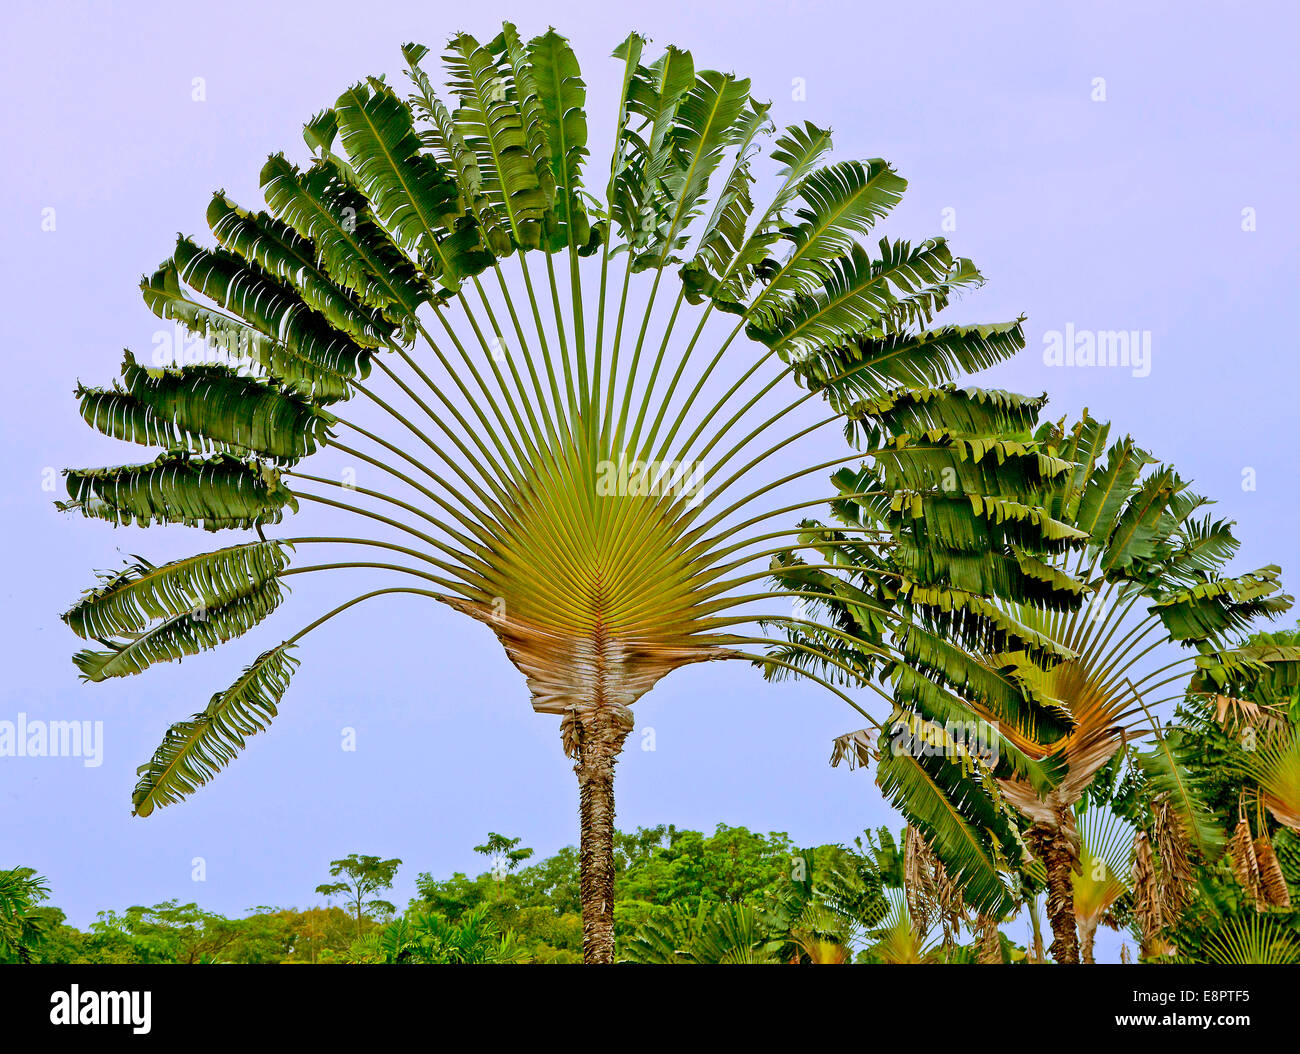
(1122, 214)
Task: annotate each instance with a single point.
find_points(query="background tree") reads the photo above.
(22, 926)
(365, 875)
(503, 853)
(730, 895)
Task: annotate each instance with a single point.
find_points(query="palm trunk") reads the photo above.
(599, 739)
(1087, 933)
(1053, 848)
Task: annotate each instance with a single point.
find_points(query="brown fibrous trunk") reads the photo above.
(597, 739)
(1053, 847)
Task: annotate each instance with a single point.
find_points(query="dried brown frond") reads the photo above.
(989, 945)
(1231, 713)
(856, 749)
(1245, 865)
(919, 886)
(1146, 891)
(1272, 885)
(1176, 872)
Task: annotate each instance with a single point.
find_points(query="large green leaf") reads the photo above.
(1000, 691)
(719, 247)
(279, 250)
(1105, 493)
(561, 94)
(304, 350)
(127, 600)
(326, 210)
(206, 408)
(964, 411)
(1222, 606)
(216, 492)
(859, 297)
(183, 634)
(866, 368)
(961, 823)
(194, 751)
(653, 94)
(1136, 534)
(713, 116)
(413, 197)
(973, 522)
(724, 268)
(841, 202)
(492, 126)
(441, 136)
(232, 340)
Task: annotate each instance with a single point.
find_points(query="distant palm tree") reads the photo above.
(596, 491)
(904, 939)
(727, 934)
(429, 939)
(1063, 686)
(1105, 858)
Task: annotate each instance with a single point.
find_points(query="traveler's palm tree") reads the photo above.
(714, 933)
(1071, 686)
(598, 492)
(1275, 770)
(902, 938)
(1253, 940)
(1105, 856)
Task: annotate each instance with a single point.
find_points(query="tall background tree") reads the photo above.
(505, 853)
(363, 877)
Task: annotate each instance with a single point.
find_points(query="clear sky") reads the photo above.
(1158, 199)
